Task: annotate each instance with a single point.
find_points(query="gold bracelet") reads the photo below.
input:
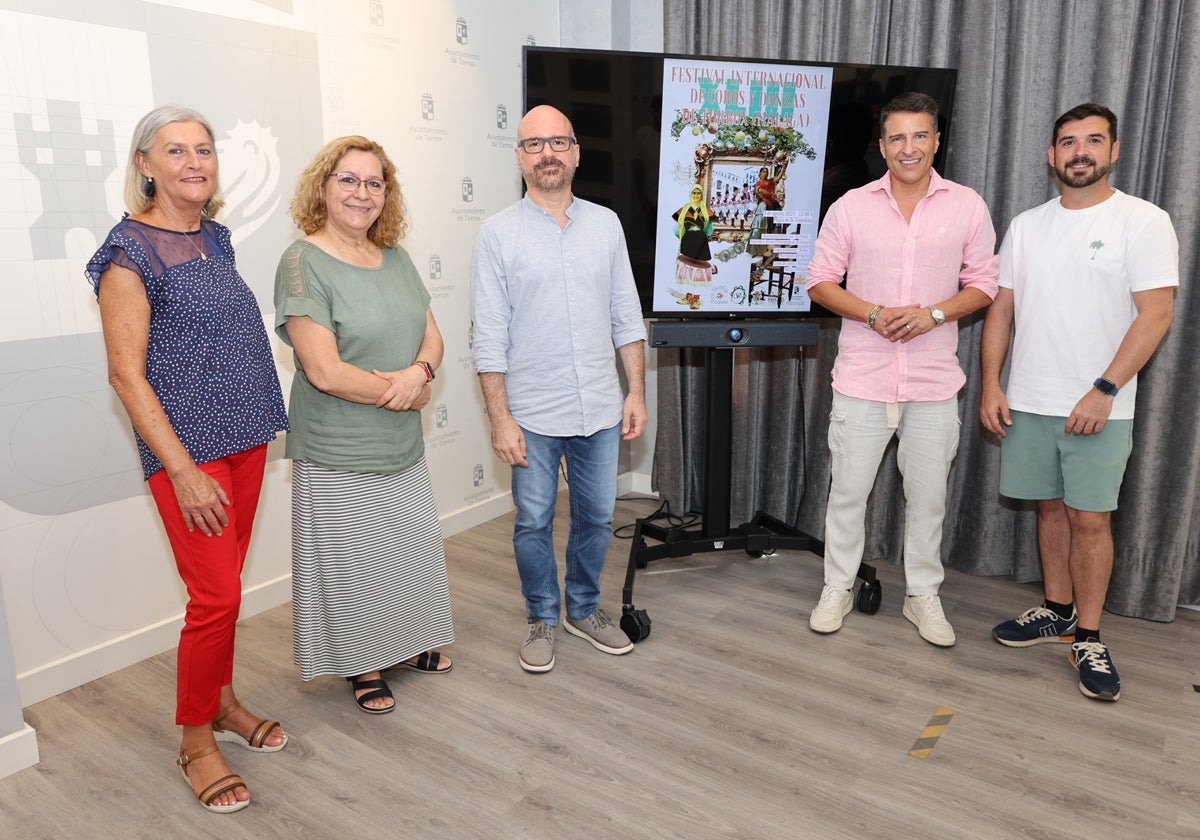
(870, 325)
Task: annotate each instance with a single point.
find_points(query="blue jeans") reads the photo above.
(592, 492)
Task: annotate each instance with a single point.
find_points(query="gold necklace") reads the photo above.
(200, 236)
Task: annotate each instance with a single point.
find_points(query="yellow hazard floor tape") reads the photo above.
(932, 731)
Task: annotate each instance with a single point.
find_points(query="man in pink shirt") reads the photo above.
(918, 253)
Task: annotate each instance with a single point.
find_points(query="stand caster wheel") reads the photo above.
(635, 623)
(754, 552)
(770, 552)
(870, 594)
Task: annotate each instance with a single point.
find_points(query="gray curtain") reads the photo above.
(1020, 64)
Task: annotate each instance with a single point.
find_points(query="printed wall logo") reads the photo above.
(458, 56)
(530, 41)
(68, 201)
(477, 475)
(377, 12)
(250, 166)
(501, 116)
(441, 417)
(435, 267)
(426, 106)
(468, 190)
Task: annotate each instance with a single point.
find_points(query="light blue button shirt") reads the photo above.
(550, 306)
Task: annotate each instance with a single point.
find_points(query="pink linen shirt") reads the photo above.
(948, 244)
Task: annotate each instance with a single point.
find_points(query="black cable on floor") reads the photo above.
(662, 512)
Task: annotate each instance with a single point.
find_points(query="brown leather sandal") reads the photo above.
(221, 785)
(257, 741)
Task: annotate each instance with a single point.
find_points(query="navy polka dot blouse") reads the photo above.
(209, 359)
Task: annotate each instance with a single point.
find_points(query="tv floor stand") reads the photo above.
(762, 535)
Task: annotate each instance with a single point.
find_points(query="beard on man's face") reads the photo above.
(551, 173)
(1079, 178)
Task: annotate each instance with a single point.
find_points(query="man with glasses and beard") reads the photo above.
(1089, 280)
(553, 305)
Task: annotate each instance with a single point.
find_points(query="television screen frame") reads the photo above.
(636, 142)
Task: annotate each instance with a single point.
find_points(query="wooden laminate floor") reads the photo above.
(732, 720)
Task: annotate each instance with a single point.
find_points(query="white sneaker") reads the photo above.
(827, 615)
(925, 611)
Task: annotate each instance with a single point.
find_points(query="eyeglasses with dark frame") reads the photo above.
(349, 182)
(558, 143)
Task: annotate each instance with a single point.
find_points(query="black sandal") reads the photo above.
(379, 689)
(429, 662)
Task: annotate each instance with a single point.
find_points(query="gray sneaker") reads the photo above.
(600, 630)
(537, 653)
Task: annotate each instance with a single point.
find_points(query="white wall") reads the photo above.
(87, 582)
(18, 741)
(612, 24)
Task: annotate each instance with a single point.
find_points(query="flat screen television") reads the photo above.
(721, 169)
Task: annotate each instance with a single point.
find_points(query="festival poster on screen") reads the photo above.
(739, 185)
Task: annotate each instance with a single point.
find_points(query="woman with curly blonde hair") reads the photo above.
(369, 587)
(309, 208)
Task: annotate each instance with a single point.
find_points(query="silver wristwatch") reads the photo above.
(939, 317)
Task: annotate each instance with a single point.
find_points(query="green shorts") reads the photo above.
(1038, 460)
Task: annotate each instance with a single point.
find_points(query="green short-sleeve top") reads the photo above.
(378, 316)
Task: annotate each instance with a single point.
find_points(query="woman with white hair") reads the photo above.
(189, 359)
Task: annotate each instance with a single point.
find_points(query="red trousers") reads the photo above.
(211, 569)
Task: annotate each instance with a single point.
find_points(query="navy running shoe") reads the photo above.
(1035, 626)
(1097, 675)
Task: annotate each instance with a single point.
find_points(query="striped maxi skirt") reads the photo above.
(369, 586)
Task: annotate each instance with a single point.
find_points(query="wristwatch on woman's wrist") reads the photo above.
(428, 368)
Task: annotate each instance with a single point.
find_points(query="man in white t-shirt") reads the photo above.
(1089, 280)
